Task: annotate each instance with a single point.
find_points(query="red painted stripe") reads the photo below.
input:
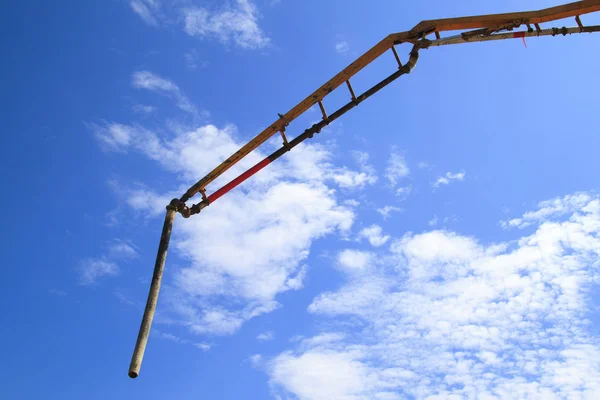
(239, 180)
(519, 34)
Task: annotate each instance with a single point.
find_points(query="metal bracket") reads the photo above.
(286, 144)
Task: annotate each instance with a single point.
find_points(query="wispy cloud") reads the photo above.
(150, 81)
(177, 339)
(147, 10)
(396, 168)
(192, 60)
(342, 47)
(446, 316)
(547, 210)
(350, 179)
(374, 235)
(143, 109)
(404, 192)
(117, 138)
(435, 220)
(386, 211)
(352, 202)
(120, 249)
(236, 24)
(265, 336)
(92, 269)
(448, 178)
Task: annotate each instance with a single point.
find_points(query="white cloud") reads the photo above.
(404, 192)
(202, 346)
(116, 137)
(422, 165)
(445, 316)
(353, 260)
(342, 47)
(150, 81)
(321, 339)
(374, 235)
(435, 220)
(248, 255)
(387, 210)
(147, 10)
(320, 375)
(446, 179)
(265, 336)
(237, 24)
(352, 202)
(179, 340)
(350, 179)
(396, 168)
(120, 249)
(92, 269)
(143, 109)
(549, 209)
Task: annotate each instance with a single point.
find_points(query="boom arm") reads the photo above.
(475, 29)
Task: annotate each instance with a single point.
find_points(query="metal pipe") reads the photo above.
(159, 266)
(512, 35)
(308, 133)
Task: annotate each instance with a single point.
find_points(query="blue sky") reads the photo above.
(439, 241)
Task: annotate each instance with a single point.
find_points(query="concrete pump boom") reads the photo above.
(475, 29)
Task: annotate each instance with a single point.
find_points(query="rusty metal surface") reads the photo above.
(159, 266)
(491, 21)
(502, 36)
(316, 128)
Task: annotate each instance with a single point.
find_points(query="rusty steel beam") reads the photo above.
(486, 21)
(420, 30)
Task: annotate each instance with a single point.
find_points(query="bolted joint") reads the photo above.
(423, 43)
(196, 208)
(179, 206)
(184, 211)
(174, 205)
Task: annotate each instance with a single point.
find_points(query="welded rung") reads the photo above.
(285, 141)
(579, 24)
(351, 90)
(396, 56)
(325, 117)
